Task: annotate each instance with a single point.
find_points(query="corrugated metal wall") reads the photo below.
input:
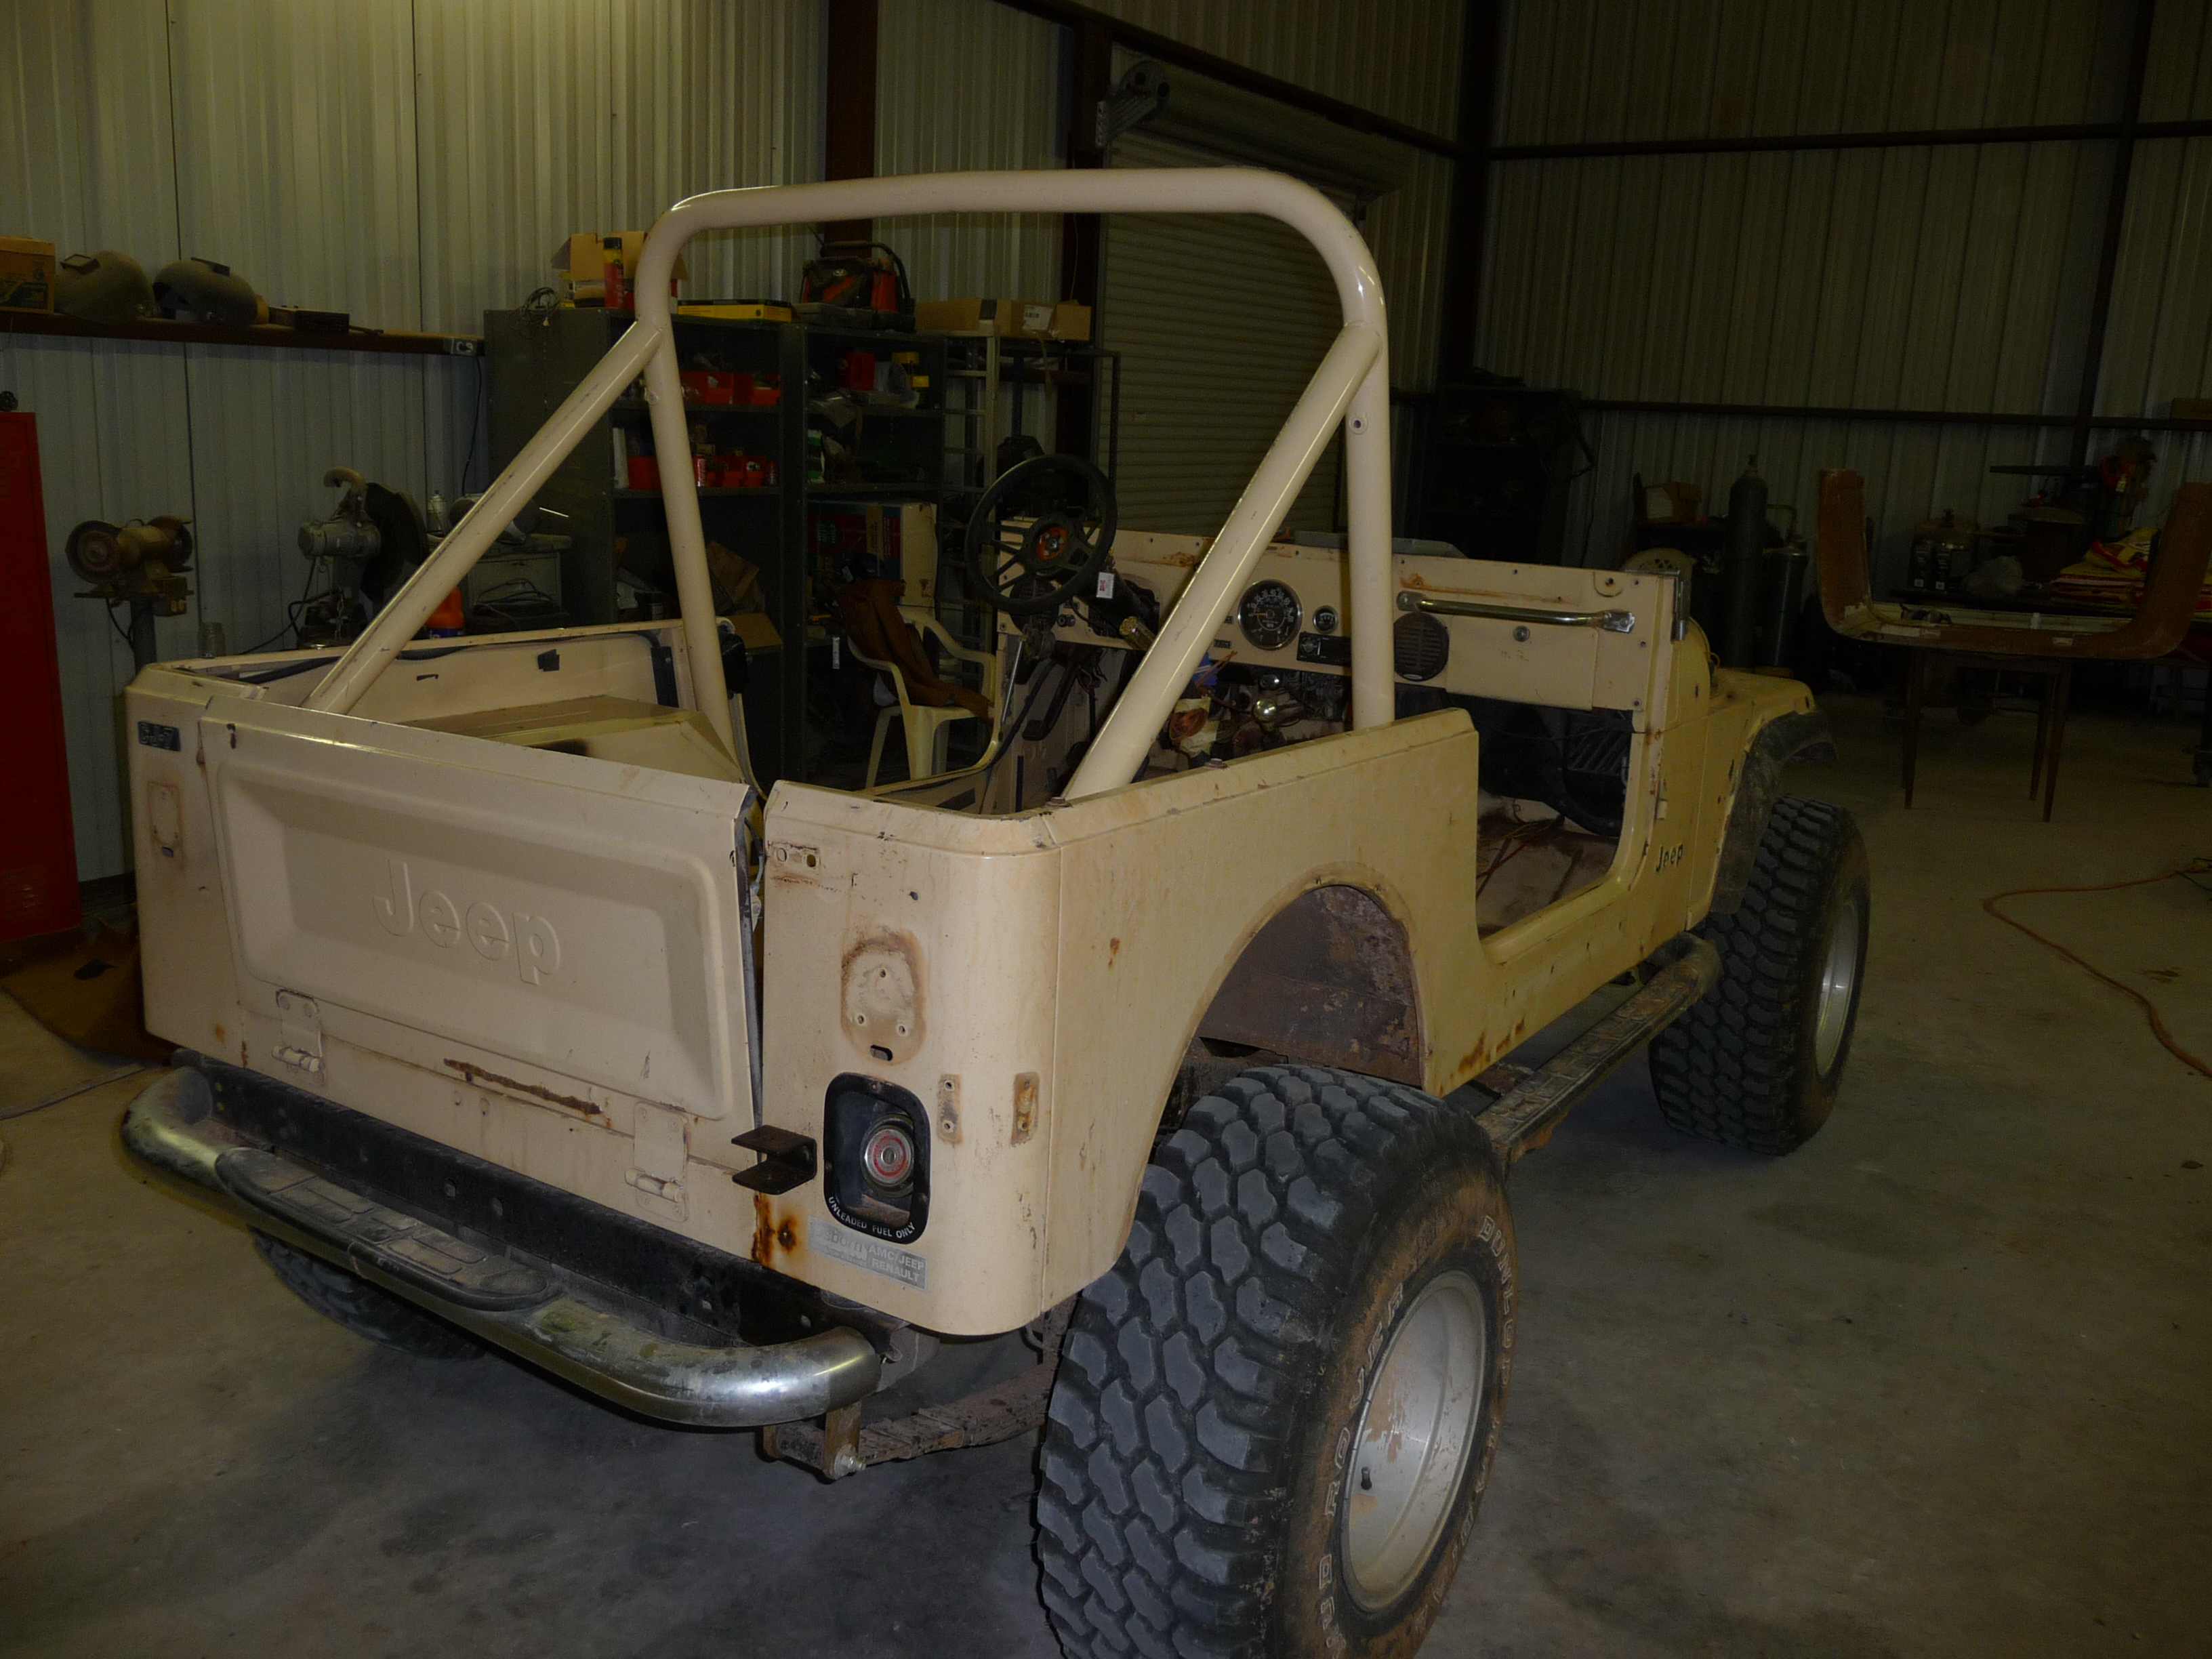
(410, 162)
(1221, 319)
(2157, 345)
(962, 84)
(542, 117)
(1944, 278)
(1408, 230)
(1399, 59)
(1588, 72)
(2178, 79)
(415, 162)
(1954, 277)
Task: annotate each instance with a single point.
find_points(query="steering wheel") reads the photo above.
(1032, 570)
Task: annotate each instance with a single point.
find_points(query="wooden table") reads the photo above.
(2048, 728)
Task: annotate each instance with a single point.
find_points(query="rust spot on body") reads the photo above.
(1025, 1106)
(476, 1074)
(763, 1229)
(881, 993)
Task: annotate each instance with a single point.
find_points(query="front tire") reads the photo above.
(1757, 1061)
(1275, 1417)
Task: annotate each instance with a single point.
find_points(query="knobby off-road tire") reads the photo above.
(362, 1308)
(1756, 1062)
(1317, 1295)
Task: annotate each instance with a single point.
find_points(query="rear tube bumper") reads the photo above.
(172, 1130)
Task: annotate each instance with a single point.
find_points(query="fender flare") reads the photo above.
(1799, 736)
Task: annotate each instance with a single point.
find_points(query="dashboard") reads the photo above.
(1293, 614)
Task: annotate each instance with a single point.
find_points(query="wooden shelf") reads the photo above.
(161, 331)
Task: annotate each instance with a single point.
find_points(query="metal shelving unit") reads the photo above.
(983, 364)
(936, 453)
(538, 358)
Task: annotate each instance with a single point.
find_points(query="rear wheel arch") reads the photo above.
(1327, 980)
(1358, 930)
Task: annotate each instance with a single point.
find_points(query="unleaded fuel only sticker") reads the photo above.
(873, 1256)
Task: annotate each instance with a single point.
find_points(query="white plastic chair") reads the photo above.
(928, 743)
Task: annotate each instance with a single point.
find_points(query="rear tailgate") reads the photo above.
(583, 921)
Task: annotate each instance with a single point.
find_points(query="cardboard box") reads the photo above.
(1671, 503)
(27, 274)
(1012, 320)
(583, 258)
(757, 632)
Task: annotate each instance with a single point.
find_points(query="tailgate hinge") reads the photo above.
(300, 1028)
(658, 1148)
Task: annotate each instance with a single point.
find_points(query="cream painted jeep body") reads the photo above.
(515, 898)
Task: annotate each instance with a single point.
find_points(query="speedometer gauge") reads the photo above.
(1269, 613)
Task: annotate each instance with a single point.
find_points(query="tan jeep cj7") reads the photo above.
(518, 1013)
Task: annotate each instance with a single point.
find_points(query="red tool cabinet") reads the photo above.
(38, 842)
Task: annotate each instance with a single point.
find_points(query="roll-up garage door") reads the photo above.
(1221, 321)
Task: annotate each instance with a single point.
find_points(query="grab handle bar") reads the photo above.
(1612, 622)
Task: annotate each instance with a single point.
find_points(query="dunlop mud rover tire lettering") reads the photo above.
(1196, 1457)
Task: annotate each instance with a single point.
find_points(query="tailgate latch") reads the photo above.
(787, 1159)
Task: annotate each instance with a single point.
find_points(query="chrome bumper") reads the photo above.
(172, 1130)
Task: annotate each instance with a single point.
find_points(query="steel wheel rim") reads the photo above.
(1839, 978)
(1416, 1431)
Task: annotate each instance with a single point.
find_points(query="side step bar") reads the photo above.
(171, 1129)
(1530, 1103)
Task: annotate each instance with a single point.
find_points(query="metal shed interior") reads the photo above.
(1863, 234)
(1933, 1385)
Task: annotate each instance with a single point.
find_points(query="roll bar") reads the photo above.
(1350, 385)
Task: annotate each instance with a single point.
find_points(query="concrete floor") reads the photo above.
(1937, 1385)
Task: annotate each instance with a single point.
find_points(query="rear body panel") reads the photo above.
(543, 958)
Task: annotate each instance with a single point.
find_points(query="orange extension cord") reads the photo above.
(2194, 867)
